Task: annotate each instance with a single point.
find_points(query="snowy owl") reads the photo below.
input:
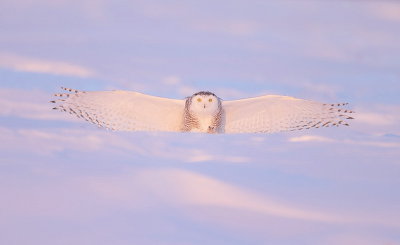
(201, 112)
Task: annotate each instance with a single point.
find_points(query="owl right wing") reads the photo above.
(274, 113)
(123, 110)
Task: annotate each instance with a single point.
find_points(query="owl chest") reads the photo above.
(204, 122)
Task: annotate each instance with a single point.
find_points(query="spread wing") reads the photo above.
(123, 110)
(274, 113)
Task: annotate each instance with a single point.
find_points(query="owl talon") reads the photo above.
(211, 130)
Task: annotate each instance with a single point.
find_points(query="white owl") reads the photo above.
(201, 112)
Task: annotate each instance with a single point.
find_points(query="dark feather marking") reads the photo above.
(204, 93)
(326, 124)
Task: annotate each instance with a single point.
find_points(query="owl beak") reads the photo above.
(204, 106)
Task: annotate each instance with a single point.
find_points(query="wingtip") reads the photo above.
(70, 90)
(335, 104)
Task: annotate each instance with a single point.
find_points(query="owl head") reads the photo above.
(204, 102)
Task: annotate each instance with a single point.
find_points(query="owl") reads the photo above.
(202, 112)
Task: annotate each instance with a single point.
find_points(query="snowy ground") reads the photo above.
(63, 181)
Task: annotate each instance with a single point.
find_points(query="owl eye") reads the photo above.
(199, 99)
(210, 100)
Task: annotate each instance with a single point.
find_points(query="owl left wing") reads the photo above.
(123, 110)
(274, 113)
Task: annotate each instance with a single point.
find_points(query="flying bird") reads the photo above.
(202, 112)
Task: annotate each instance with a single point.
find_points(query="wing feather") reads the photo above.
(123, 110)
(274, 113)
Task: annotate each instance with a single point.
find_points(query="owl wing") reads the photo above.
(274, 113)
(123, 110)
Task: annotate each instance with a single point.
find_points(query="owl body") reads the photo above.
(202, 112)
(203, 124)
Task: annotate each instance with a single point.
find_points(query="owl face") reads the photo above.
(204, 103)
